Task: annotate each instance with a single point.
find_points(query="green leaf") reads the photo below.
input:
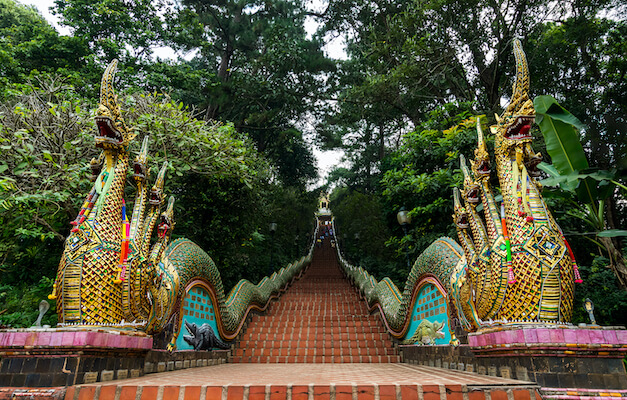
(547, 105)
(549, 169)
(47, 156)
(612, 233)
(562, 139)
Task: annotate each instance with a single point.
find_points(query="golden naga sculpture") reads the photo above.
(110, 274)
(103, 275)
(517, 266)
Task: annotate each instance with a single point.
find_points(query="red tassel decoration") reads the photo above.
(572, 258)
(508, 245)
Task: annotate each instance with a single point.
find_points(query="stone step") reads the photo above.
(338, 345)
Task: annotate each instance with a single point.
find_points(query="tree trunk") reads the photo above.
(617, 261)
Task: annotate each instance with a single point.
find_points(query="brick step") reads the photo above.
(336, 318)
(313, 351)
(318, 328)
(287, 352)
(342, 359)
(317, 341)
(319, 319)
(302, 392)
(304, 336)
(300, 343)
(305, 322)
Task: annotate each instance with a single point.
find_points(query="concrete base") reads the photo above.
(70, 356)
(565, 357)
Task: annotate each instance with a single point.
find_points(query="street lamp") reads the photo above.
(404, 219)
(272, 228)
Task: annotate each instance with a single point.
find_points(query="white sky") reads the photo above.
(326, 160)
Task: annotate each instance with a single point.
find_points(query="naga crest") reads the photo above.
(517, 266)
(113, 134)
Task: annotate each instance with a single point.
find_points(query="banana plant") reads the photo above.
(571, 171)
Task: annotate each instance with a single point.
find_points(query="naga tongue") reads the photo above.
(524, 130)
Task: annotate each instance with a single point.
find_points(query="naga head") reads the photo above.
(481, 164)
(472, 191)
(156, 192)
(461, 215)
(140, 170)
(512, 128)
(166, 222)
(113, 135)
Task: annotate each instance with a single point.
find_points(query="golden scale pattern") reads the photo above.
(94, 286)
(542, 268)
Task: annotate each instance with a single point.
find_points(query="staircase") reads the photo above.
(320, 319)
(318, 341)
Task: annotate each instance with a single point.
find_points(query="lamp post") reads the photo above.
(272, 228)
(404, 219)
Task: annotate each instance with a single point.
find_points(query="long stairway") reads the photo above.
(320, 319)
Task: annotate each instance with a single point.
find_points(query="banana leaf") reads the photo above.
(612, 233)
(559, 128)
(561, 138)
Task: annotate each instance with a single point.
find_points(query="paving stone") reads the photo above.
(161, 367)
(149, 368)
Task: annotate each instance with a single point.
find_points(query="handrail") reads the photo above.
(433, 266)
(231, 310)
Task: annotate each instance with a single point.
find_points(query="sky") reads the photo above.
(326, 160)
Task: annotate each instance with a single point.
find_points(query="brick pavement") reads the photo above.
(318, 341)
(309, 381)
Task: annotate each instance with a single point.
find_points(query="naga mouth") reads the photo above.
(532, 165)
(519, 129)
(483, 167)
(155, 197)
(164, 226)
(139, 170)
(107, 133)
(462, 221)
(472, 194)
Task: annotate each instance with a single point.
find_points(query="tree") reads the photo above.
(422, 173)
(30, 47)
(268, 74)
(126, 30)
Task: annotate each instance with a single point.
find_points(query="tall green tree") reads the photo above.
(30, 47)
(268, 74)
